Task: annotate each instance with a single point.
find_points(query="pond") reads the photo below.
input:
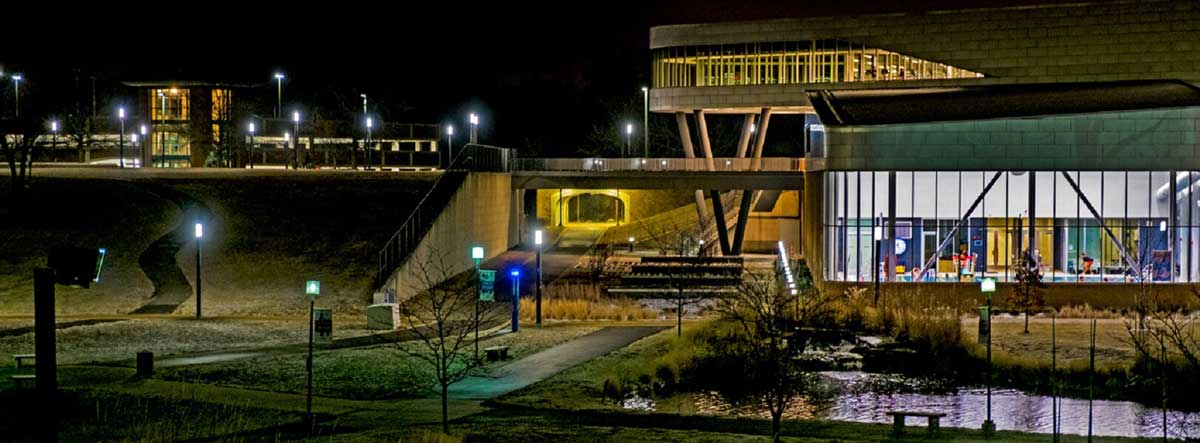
(865, 397)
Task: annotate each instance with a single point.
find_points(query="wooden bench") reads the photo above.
(20, 379)
(899, 416)
(21, 358)
(496, 353)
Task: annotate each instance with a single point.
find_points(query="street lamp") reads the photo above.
(632, 240)
(477, 255)
(199, 236)
(296, 141)
(474, 119)
(449, 145)
(987, 285)
(516, 299)
(628, 134)
(54, 132)
(645, 121)
(121, 116)
(537, 242)
(312, 289)
(252, 130)
(17, 93)
(142, 145)
(367, 144)
(278, 93)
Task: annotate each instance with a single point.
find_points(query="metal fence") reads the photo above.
(472, 158)
(778, 164)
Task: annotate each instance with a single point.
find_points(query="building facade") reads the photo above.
(946, 146)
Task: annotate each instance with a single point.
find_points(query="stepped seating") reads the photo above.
(657, 276)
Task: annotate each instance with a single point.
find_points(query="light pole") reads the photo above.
(17, 94)
(199, 236)
(142, 145)
(474, 119)
(537, 243)
(278, 93)
(645, 121)
(252, 129)
(477, 255)
(54, 136)
(121, 116)
(632, 240)
(449, 145)
(628, 134)
(296, 140)
(367, 145)
(516, 300)
(987, 285)
(162, 137)
(312, 288)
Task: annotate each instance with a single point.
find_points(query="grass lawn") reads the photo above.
(374, 372)
(88, 212)
(1073, 334)
(164, 337)
(272, 231)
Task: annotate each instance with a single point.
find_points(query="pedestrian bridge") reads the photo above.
(659, 173)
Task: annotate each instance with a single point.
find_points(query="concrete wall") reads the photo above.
(1159, 139)
(765, 229)
(1076, 42)
(478, 214)
(641, 203)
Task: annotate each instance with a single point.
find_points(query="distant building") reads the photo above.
(943, 146)
(187, 119)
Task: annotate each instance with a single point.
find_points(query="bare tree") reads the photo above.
(773, 325)
(683, 277)
(80, 129)
(1027, 293)
(445, 317)
(19, 150)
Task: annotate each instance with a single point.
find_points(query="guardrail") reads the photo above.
(471, 158)
(775, 164)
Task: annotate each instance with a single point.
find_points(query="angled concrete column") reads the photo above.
(685, 136)
(719, 217)
(739, 232)
(765, 120)
(744, 140)
(702, 131)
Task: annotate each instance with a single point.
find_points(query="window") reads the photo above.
(169, 104)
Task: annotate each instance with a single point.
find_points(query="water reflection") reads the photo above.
(863, 397)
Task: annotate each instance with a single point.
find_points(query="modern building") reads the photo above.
(945, 146)
(186, 119)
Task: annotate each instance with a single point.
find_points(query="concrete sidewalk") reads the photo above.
(542, 365)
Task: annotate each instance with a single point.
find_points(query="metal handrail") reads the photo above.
(593, 164)
(472, 158)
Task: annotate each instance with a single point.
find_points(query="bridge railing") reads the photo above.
(778, 164)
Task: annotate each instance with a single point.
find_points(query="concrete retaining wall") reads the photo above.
(478, 214)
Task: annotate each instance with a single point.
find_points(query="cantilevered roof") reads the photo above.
(919, 105)
(185, 84)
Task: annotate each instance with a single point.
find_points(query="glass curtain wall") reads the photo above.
(1120, 226)
(777, 63)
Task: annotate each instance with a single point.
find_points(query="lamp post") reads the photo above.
(54, 134)
(645, 121)
(632, 240)
(121, 116)
(474, 119)
(516, 299)
(162, 137)
(449, 145)
(312, 288)
(142, 145)
(199, 236)
(987, 285)
(628, 134)
(296, 141)
(17, 94)
(252, 129)
(367, 145)
(278, 93)
(477, 255)
(537, 242)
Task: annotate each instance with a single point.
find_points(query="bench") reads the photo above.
(20, 379)
(496, 353)
(899, 416)
(21, 358)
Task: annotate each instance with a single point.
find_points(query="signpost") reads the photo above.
(987, 285)
(324, 326)
(312, 288)
(487, 285)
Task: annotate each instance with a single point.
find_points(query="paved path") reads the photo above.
(171, 287)
(542, 365)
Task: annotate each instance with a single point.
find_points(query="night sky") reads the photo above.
(543, 76)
